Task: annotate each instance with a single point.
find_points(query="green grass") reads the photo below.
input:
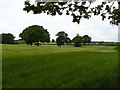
(59, 67)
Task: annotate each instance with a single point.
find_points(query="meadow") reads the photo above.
(50, 66)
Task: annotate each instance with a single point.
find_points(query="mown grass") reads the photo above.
(49, 66)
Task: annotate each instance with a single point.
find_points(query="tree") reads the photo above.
(77, 40)
(62, 34)
(47, 36)
(7, 38)
(62, 38)
(78, 9)
(36, 34)
(67, 40)
(53, 40)
(86, 39)
(59, 41)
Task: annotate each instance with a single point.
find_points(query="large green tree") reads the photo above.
(78, 9)
(62, 38)
(7, 38)
(86, 39)
(36, 34)
(77, 40)
(67, 40)
(59, 41)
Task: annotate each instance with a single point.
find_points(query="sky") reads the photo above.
(14, 20)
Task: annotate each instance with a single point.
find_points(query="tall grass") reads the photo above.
(59, 67)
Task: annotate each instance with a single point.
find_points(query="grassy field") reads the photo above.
(49, 66)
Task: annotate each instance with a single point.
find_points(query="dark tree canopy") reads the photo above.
(62, 38)
(78, 9)
(60, 41)
(62, 34)
(67, 40)
(36, 34)
(53, 40)
(7, 38)
(77, 40)
(86, 39)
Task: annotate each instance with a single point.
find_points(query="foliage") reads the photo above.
(53, 40)
(62, 34)
(60, 41)
(7, 38)
(67, 40)
(36, 34)
(77, 9)
(62, 38)
(20, 41)
(86, 39)
(77, 41)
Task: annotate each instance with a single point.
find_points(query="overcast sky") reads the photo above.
(13, 20)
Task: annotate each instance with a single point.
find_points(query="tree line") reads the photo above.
(37, 34)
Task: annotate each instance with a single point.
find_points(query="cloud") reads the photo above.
(13, 20)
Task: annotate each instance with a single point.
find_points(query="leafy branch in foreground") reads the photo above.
(77, 10)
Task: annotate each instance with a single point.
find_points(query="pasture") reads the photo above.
(50, 66)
